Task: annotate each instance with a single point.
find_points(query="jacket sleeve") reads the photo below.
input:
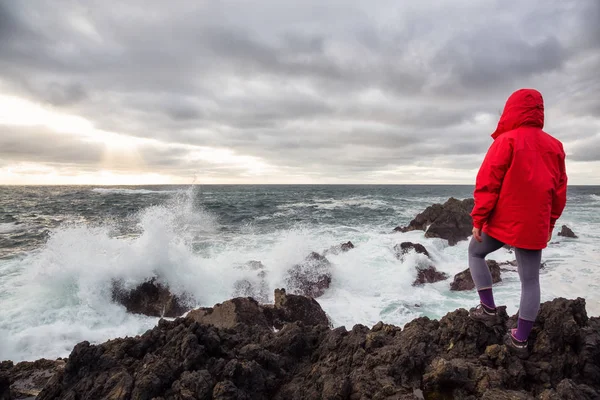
(489, 179)
(559, 197)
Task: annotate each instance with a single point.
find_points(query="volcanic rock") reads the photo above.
(287, 308)
(151, 298)
(341, 248)
(27, 379)
(464, 280)
(451, 221)
(405, 247)
(255, 287)
(567, 232)
(310, 278)
(429, 275)
(450, 358)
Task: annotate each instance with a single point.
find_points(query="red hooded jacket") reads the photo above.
(521, 187)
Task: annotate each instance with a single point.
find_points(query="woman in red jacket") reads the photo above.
(520, 192)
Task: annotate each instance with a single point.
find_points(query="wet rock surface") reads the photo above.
(254, 286)
(429, 275)
(26, 380)
(151, 298)
(451, 221)
(565, 231)
(464, 281)
(450, 358)
(341, 248)
(406, 247)
(311, 277)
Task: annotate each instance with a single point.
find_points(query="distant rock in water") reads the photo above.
(310, 278)
(341, 248)
(429, 275)
(464, 280)
(151, 298)
(451, 221)
(453, 358)
(567, 232)
(257, 288)
(426, 273)
(405, 247)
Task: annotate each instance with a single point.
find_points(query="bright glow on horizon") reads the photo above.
(120, 151)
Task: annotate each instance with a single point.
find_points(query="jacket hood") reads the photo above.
(525, 107)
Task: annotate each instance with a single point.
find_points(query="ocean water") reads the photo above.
(62, 247)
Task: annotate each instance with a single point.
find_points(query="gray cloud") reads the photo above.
(321, 89)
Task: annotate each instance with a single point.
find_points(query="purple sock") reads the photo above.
(523, 330)
(487, 298)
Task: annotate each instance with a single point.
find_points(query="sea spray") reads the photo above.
(195, 241)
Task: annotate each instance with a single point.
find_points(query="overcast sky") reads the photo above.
(278, 91)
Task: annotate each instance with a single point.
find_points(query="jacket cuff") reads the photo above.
(477, 224)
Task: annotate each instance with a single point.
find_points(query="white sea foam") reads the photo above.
(8, 227)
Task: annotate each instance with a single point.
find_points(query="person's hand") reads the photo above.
(477, 234)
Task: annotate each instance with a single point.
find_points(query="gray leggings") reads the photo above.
(528, 263)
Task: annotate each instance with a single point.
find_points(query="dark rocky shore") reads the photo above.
(247, 358)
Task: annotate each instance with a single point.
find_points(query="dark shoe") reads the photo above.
(515, 346)
(489, 317)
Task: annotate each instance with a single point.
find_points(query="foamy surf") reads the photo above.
(60, 294)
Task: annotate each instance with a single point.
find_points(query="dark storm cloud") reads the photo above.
(322, 88)
(586, 150)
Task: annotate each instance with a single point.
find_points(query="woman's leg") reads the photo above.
(479, 269)
(528, 262)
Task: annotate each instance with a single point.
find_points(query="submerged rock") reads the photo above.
(255, 287)
(567, 232)
(310, 278)
(405, 247)
(451, 221)
(429, 275)
(151, 298)
(426, 272)
(450, 358)
(464, 280)
(341, 248)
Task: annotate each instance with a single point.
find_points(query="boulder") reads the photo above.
(151, 298)
(310, 278)
(230, 313)
(288, 308)
(464, 280)
(405, 247)
(567, 232)
(291, 308)
(255, 287)
(451, 221)
(341, 248)
(429, 275)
